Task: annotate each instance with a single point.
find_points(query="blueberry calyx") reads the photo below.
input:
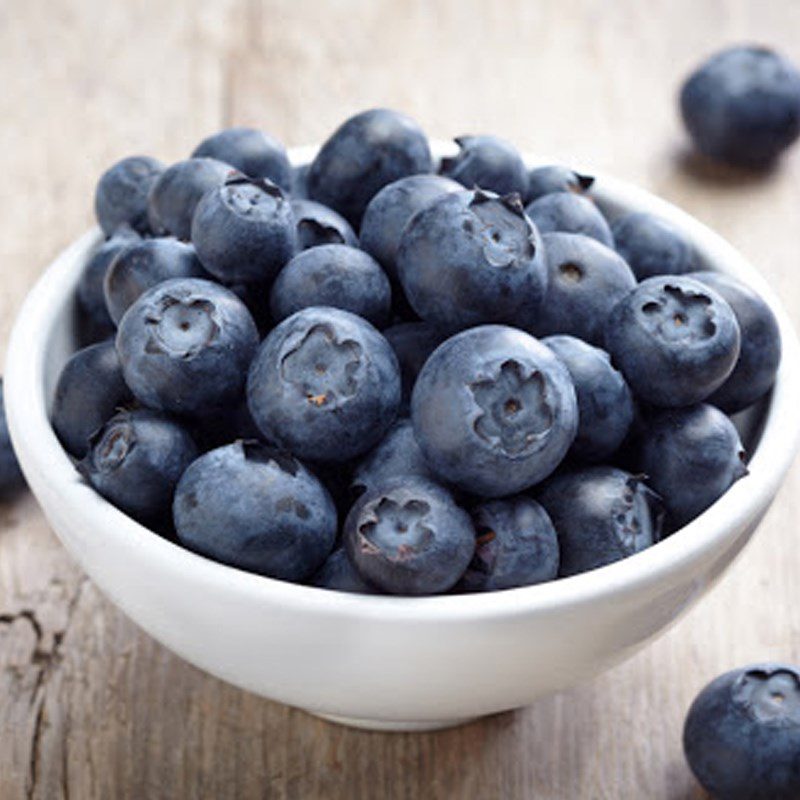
(265, 184)
(261, 453)
(635, 484)
(320, 232)
(584, 182)
(181, 327)
(398, 531)
(769, 696)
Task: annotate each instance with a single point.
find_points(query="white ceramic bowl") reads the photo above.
(386, 662)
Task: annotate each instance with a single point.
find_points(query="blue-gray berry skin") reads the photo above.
(339, 574)
(144, 264)
(94, 321)
(556, 178)
(89, 391)
(605, 404)
(742, 734)
(691, 456)
(395, 456)
(364, 154)
(324, 384)
(317, 224)
(256, 508)
(473, 257)
(251, 151)
(299, 187)
(392, 208)
(11, 478)
(742, 106)
(566, 212)
(412, 343)
(185, 346)
(488, 162)
(651, 245)
(586, 280)
(122, 192)
(409, 537)
(494, 411)
(674, 339)
(602, 514)
(333, 275)
(177, 191)
(516, 545)
(136, 459)
(760, 352)
(244, 230)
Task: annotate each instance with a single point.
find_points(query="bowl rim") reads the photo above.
(41, 454)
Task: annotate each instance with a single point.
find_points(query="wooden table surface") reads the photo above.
(90, 707)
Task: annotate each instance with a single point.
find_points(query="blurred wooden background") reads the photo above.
(92, 708)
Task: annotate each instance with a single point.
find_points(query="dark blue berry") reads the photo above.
(253, 507)
(89, 391)
(651, 245)
(473, 257)
(251, 151)
(333, 275)
(674, 339)
(317, 224)
(516, 546)
(556, 178)
(244, 230)
(185, 346)
(488, 162)
(136, 459)
(122, 192)
(409, 537)
(324, 384)
(338, 573)
(605, 404)
(566, 212)
(691, 456)
(412, 343)
(11, 478)
(494, 411)
(742, 105)
(367, 152)
(602, 515)
(742, 734)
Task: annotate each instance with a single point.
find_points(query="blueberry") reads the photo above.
(299, 187)
(742, 734)
(760, 353)
(177, 191)
(136, 459)
(494, 411)
(412, 343)
(691, 456)
(651, 245)
(244, 230)
(602, 515)
(674, 339)
(11, 478)
(487, 162)
(89, 391)
(255, 296)
(333, 275)
(564, 212)
(742, 106)
(317, 224)
(94, 320)
(185, 346)
(409, 537)
(364, 154)
(253, 507)
(516, 546)
(605, 404)
(473, 257)
(121, 194)
(338, 573)
(142, 265)
(215, 430)
(253, 152)
(586, 280)
(395, 456)
(324, 384)
(392, 208)
(556, 178)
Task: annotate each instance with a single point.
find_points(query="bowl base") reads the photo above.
(395, 725)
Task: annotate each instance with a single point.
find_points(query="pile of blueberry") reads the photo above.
(376, 373)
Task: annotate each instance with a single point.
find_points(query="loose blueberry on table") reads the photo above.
(389, 422)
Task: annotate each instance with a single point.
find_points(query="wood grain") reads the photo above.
(92, 708)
